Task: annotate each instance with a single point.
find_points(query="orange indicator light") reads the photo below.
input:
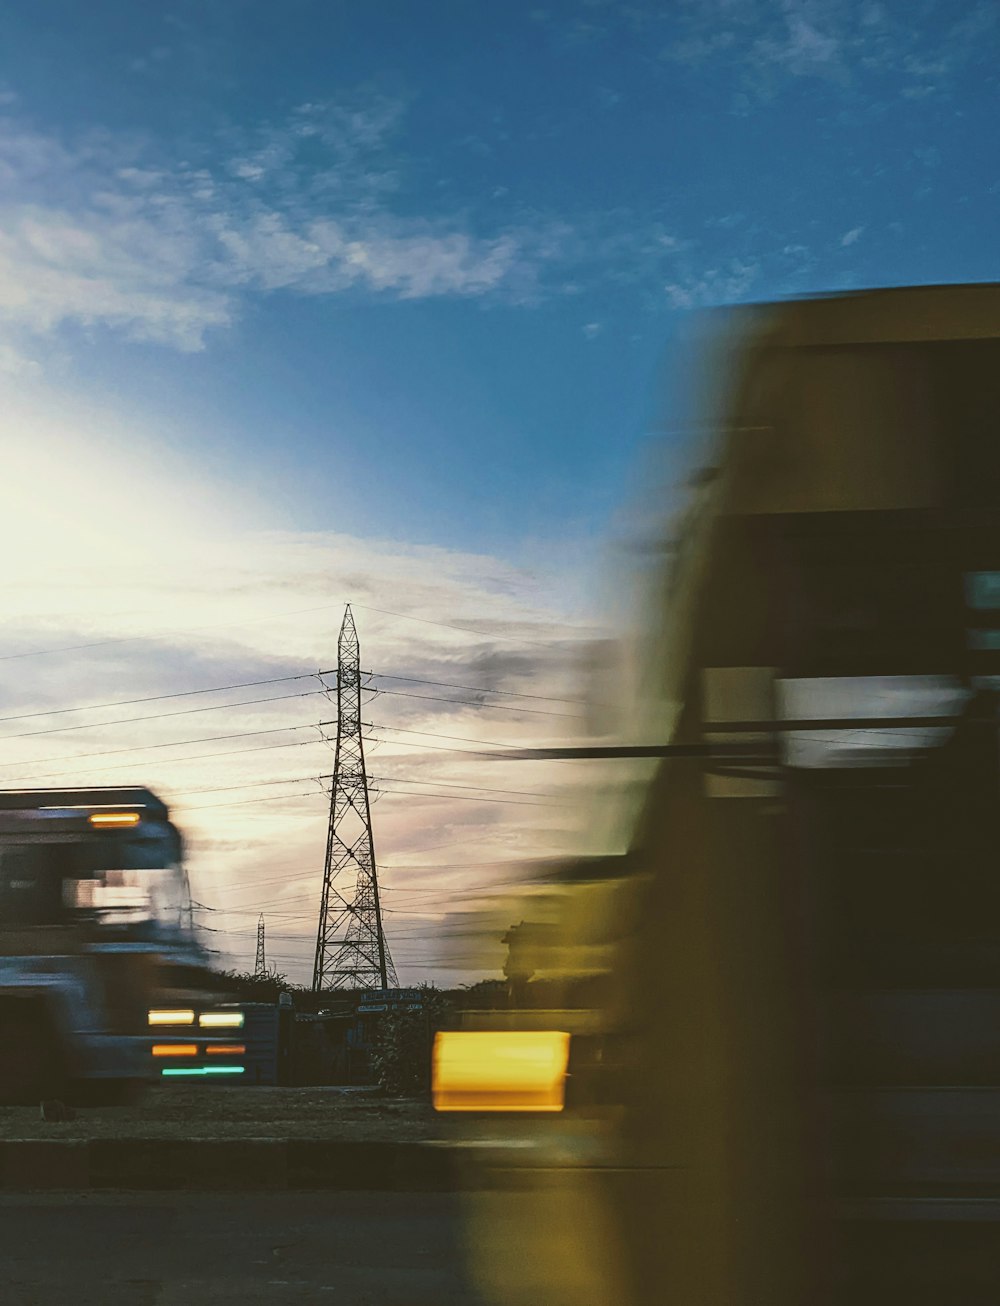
(226, 1050)
(114, 819)
(175, 1049)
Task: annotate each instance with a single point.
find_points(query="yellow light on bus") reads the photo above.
(500, 1070)
(175, 1049)
(114, 819)
(221, 1020)
(184, 1017)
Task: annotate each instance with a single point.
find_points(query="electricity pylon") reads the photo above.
(260, 965)
(351, 951)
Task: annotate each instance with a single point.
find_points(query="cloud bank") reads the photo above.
(132, 586)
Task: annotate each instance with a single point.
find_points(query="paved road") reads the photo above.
(189, 1249)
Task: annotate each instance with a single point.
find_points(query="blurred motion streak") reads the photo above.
(193, 1071)
(783, 986)
(221, 1020)
(185, 1017)
(97, 940)
(501, 1070)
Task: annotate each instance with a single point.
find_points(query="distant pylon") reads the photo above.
(260, 966)
(351, 951)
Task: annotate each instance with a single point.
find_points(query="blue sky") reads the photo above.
(534, 194)
(316, 301)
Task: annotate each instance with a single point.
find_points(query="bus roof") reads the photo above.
(87, 799)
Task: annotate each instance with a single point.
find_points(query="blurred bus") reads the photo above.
(792, 975)
(95, 930)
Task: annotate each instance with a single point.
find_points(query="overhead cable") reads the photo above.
(475, 689)
(160, 716)
(490, 707)
(175, 743)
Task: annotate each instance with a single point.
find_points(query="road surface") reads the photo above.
(198, 1249)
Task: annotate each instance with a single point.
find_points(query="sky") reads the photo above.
(388, 303)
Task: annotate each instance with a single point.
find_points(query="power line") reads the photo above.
(431, 748)
(313, 779)
(448, 784)
(293, 874)
(433, 734)
(489, 707)
(261, 784)
(431, 914)
(473, 891)
(465, 798)
(253, 911)
(268, 883)
(176, 743)
(266, 888)
(157, 698)
(159, 716)
(399, 931)
(450, 866)
(288, 918)
(473, 964)
(476, 689)
(492, 755)
(244, 802)
(194, 757)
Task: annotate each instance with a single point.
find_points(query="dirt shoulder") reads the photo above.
(214, 1111)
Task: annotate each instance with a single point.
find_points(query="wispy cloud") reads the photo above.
(105, 231)
(115, 232)
(727, 284)
(771, 45)
(111, 232)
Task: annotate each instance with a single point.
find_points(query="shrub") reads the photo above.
(401, 1052)
(255, 988)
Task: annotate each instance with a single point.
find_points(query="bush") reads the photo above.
(401, 1052)
(255, 988)
(488, 994)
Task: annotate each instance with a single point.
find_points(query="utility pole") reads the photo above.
(351, 951)
(260, 966)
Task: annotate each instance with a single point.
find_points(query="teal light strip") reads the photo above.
(204, 1070)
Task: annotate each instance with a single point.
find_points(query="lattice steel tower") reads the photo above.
(260, 965)
(351, 950)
